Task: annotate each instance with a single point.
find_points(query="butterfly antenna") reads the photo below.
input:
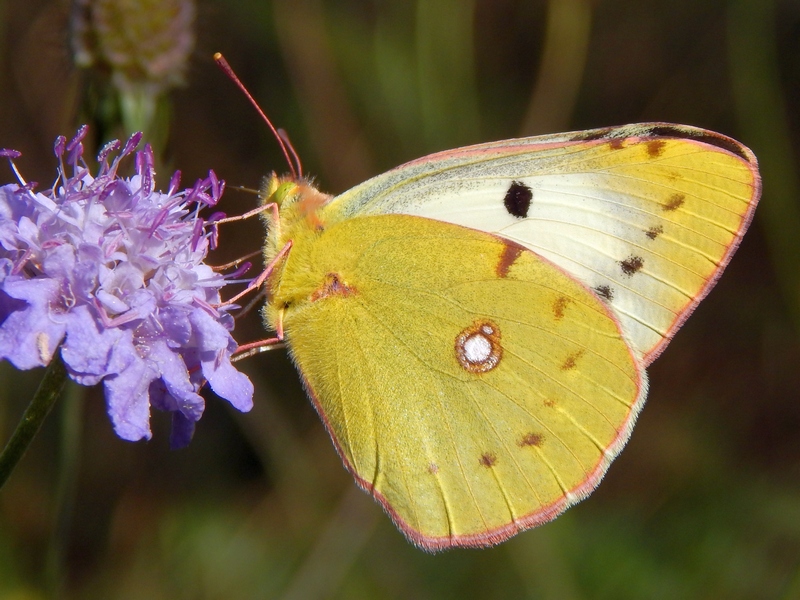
(285, 136)
(226, 68)
(241, 188)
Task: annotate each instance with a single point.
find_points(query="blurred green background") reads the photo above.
(705, 500)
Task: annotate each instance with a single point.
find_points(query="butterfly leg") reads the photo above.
(251, 213)
(272, 343)
(258, 281)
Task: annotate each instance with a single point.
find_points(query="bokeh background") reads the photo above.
(705, 500)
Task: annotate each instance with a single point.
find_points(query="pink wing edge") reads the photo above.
(747, 217)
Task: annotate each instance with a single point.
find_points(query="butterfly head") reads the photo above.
(278, 189)
(299, 215)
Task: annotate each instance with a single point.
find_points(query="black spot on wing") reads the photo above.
(674, 202)
(531, 439)
(488, 459)
(654, 232)
(605, 291)
(518, 199)
(631, 265)
(572, 360)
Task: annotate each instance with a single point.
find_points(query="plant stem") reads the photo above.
(71, 409)
(43, 400)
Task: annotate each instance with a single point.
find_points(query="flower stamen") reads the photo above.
(114, 272)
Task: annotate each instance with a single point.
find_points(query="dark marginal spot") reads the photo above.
(616, 143)
(511, 252)
(488, 459)
(631, 265)
(572, 360)
(654, 232)
(674, 202)
(518, 199)
(705, 137)
(605, 291)
(549, 403)
(531, 439)
(559, 305)
(655, 148)
(332, 286)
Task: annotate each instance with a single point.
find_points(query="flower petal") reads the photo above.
(89, 347)
(229, 383)
(175, 376)
(127, 395)
(216, 346)
(29, 336)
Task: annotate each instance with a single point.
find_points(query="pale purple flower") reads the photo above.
(113, 272)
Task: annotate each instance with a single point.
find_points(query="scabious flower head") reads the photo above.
(141, 42)
(113, 273)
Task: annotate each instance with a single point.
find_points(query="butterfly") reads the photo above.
(473, 327)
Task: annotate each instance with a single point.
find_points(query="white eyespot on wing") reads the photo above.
(477, 347)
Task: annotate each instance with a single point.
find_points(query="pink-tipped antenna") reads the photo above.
(285, 137)
(283, 140)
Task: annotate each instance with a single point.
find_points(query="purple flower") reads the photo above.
(112, 272)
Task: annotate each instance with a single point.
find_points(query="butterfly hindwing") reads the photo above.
(472, 386)
(645, 215)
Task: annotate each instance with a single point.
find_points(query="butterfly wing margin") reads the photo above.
(460, 458)
(647, 215)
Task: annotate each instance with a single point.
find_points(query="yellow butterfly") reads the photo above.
(473, 327)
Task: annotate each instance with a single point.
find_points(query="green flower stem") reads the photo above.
(43, 400)
(71, 409)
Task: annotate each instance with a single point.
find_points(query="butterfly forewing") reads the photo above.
(473, 387)
(645, 215)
